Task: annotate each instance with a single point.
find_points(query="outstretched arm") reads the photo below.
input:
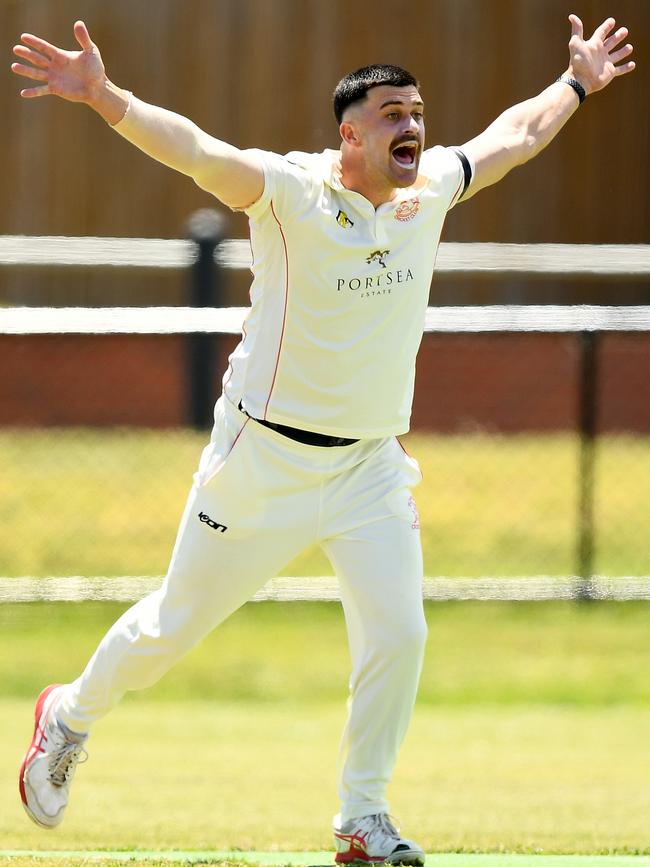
(524, 130)
(234, 176)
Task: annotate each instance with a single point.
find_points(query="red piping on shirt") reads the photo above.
(284, 315)
(241, 430)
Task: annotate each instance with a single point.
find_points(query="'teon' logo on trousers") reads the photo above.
(206, 519)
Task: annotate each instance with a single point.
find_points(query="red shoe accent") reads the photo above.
(354, 855)
(352, 838)
(37, 738)
(357, 851)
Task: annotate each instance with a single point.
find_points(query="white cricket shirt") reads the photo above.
(339, 296)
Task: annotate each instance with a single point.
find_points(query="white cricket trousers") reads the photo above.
(258, 500)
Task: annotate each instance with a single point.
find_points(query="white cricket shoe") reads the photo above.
(49, 764)
(374, 840)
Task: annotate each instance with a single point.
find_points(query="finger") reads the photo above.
(576, 27)
(29, 72)
(625, 67)
(605, 29)
(82, 36)
(31, 56)
(31, 92)
(621, 53)
(615, 39)
(39, 44)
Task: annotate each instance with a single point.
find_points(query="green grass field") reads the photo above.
(300, 859)
(530, 734)
(82, 502)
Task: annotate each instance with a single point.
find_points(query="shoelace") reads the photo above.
(386, 823)
(381, 823)
(64, 760)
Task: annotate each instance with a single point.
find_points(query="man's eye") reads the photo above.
(392, 115)
(418, 115)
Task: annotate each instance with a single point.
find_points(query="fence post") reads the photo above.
(206, 228)
(588, 418)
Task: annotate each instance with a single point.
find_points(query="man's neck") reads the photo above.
(370, 192)
(356, 179)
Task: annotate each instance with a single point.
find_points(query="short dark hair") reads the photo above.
(355, 85)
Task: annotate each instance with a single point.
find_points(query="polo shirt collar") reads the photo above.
(326, 166)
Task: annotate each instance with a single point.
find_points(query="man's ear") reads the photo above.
(349, 134)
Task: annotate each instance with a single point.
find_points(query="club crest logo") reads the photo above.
(343, 220)
(378, 256)
(405, 211)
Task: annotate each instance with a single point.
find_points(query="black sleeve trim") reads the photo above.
(467, 170)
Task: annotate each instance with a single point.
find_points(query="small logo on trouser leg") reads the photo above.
(206, 519)
(416, 518)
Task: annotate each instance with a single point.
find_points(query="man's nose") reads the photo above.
(413, 126)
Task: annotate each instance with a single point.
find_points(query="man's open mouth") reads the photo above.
(405, 154)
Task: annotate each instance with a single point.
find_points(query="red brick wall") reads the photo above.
(505, 382)
(89, 380)
(625, 381)
(497, 382)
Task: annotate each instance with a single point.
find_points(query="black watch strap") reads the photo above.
(579, 89)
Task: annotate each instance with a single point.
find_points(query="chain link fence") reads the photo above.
(532, 428)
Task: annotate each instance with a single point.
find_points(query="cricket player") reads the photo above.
(304, 445)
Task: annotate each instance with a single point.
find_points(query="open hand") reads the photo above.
(593, 61)
(72, 75)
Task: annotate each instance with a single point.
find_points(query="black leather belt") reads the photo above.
(302, 436)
